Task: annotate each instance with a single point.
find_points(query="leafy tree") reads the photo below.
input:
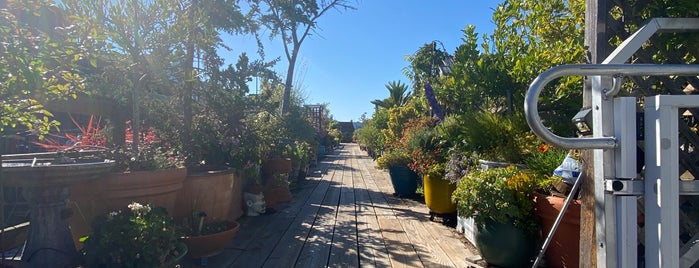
(398, 95)
(294, 21)
(533, 36)
(171, 51)
(478, 81)
(40, 59)
(133, 54)
(196, 36)
(425, 64)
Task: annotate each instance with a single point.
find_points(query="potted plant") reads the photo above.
(138, 237)
(430, 142)
(152, 174)
(564, 249)
(501, 203)
(404, 180)
(205, 237)
(498, 140)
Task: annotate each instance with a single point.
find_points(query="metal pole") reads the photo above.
(559, 218)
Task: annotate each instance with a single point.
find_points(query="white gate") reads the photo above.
(613, 141)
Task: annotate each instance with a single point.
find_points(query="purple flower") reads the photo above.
(432, 100)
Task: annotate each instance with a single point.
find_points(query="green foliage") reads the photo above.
(370, 134)
(138, 237)
(478, 82)
(495, 137)
(398, 117)
(532, 36)
(393, 158)
(398, 95)
(150, 156)
(545, 159)
(38, 63)
(299, 152)
(502, 194)
(424, 65)
(426, 148)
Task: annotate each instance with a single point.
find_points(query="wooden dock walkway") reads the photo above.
(344, 217)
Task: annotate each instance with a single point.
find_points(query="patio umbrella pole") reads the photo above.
(559, 218)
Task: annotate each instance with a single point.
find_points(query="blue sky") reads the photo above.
(355, 53)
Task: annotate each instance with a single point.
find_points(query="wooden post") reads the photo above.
(596, 41)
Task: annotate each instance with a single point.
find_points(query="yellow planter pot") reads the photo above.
(438, 194)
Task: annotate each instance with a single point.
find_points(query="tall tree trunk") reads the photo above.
(187, 100)
(136, 117)
(288, 84)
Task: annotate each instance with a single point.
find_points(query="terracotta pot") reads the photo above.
(564, 249)
(157, 187)
(276, 166)
(117, 190)
(277, 194)
(211, 190)
(438, 194)
(210, 245)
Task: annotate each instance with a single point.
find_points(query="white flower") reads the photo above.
(139, 208)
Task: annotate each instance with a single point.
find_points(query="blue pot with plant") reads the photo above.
(404, 180)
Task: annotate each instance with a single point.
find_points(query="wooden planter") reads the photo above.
(564, 249)
(217, 191)
(210, 245)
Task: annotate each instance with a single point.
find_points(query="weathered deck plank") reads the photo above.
(400, 250)
(431, 254)
(372, 249)
(347, 217)
(316, 251)
(343, 252)
(289, 247)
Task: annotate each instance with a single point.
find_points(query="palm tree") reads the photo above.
(398, 96)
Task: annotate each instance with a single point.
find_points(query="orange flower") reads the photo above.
(543, 148)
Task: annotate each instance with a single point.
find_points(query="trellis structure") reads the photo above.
(315, 115)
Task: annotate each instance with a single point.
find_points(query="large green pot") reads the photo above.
(404, 180)
(504, 245)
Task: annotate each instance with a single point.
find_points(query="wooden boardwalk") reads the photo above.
(347, 217)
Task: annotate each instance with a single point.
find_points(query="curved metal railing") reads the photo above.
(531, 99)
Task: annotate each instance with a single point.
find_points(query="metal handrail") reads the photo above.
(531, 99)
